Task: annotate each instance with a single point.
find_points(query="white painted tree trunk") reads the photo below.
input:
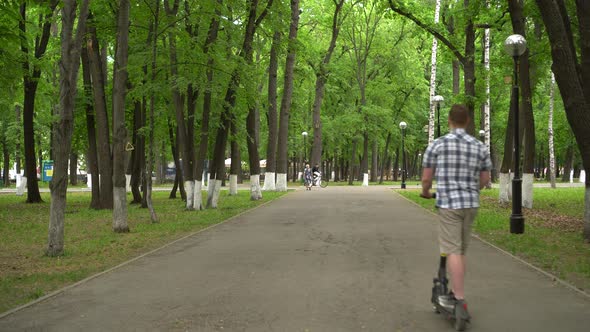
(583, 176)
(550, 126)
(233, 184)
(281, 182)
(527, 190)
(486, 109)
(128, 183)
(299, 176)
(88, 180)
(433, 77)
(198, 198)
(255, 193)
(20, 187)
(210, 193)
(333, 175)
(269, 182)
(216, 191)
(120, 209)
(189, 187)
(572, 176)
(505, 188)
(365, 180)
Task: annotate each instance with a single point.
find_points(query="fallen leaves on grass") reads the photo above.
(543, 217)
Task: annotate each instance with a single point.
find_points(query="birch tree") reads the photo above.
(282, 158)
(550, 126)
(433, 77)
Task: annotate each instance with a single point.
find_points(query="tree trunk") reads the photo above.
(204, 132)
(6, 163)
(150, 153)
(374, 162)
(568, 164)
(352, 162)
(177, 166)
(92, 157)
(271, 150)
(364, 171)
(69, 65)
(385, 157)
(73, 169)
(396, 165)
(119, 131)
(321, 79)
(287, 97)
(30, 82)
(469, 68)
(105, 162)
(138, 154)
(433, 77)
(236, 161)
(550, 127)
(570, 77)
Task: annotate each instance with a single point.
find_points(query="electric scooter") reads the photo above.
(442, 299)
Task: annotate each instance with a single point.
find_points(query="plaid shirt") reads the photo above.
(457, 158)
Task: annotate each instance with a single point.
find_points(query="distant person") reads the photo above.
(315, 171)
(461, 165)
(307, 177)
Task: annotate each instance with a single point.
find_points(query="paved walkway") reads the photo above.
(334, 259)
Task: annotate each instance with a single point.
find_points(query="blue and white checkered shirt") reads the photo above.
(458, 159)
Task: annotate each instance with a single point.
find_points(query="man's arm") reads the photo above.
(427, 175)
(484, 179)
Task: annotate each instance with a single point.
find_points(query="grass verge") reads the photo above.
(552, 239)
(90, 244)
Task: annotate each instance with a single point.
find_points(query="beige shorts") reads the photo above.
(455, 230)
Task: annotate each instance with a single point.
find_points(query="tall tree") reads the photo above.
(550, 134)
(433, 76)
(282, 158)
(271, 149)
(322, 73)
(119, 131)
(91, 154)
(31, 75)
(572, 76)
(98, 78)
(184, 141)
(206, 113)
(71, 45)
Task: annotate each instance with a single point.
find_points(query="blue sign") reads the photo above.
(47, 173)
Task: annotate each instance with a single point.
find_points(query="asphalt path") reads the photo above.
(334, 259)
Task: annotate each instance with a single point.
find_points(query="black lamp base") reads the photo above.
(517, 224)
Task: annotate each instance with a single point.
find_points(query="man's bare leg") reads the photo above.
(456, 265)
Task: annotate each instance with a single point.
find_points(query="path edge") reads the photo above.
(94, 276)
(547, 274)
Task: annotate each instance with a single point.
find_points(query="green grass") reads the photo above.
(90, 244)
(553, 230)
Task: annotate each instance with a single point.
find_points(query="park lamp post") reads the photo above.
(515, 46)
(438, 100)
(403, 126)
(304, 134)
